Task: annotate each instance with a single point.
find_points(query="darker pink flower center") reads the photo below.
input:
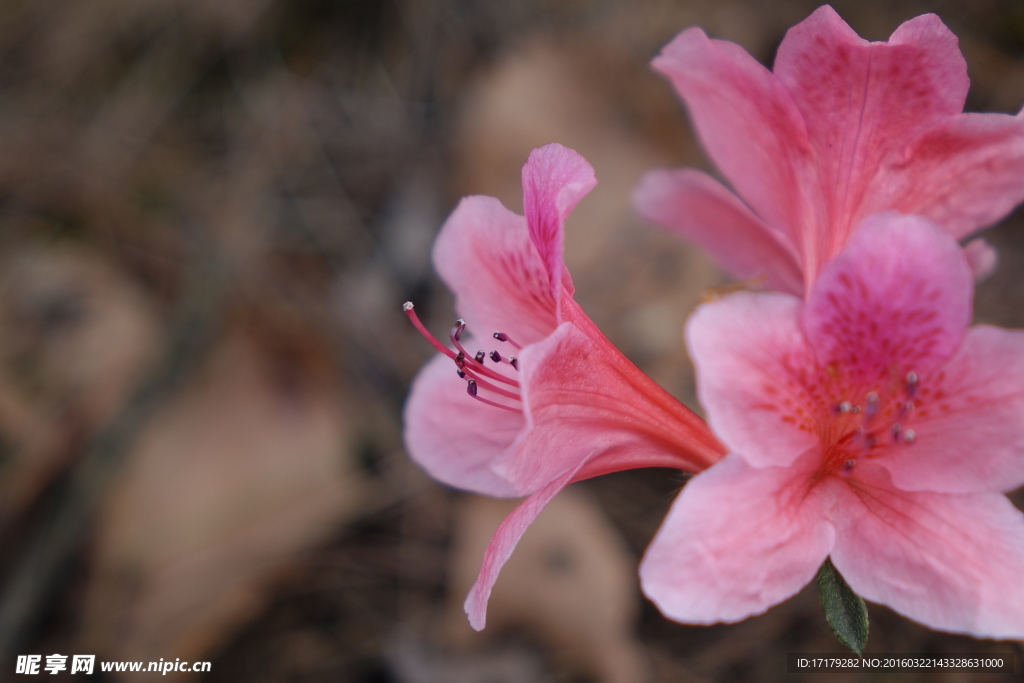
(866, 424)
(486, 384)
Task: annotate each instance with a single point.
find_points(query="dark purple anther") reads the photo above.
(514, 362)
(479, 357)
(501, 336)
(495, 356)
(896, 431)
(460, 361)
(462, 375)
(460, 327)
(471, 387)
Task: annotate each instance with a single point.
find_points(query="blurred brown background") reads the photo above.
(210, 214)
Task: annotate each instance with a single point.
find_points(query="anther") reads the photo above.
(479, 357)
(848, 465)
(910, 436)
(911, 387)
(460, 360)
(407, 306)
(845, 407)
(462, 375)
(855, 409)
(895, 431)
(514, 362)
(471, 387)
(460, 327)
(495, 356)
(502, 337)
(871, 404)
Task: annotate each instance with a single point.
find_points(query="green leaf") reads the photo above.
(845, 610)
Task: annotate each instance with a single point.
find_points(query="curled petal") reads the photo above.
(899, 294)
(486, 257)
(586, 403)
(951, 562)
(503, 543)
(701, 210)
(737, 540)
(454, 437)
(555, 179)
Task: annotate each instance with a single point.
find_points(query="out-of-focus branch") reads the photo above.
(36, 571)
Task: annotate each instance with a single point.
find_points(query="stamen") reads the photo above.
(478, 380)
(911, 387)
(871, 405)
(460, 327)
(514, 362)
(495, 356)
(910, 436)
(479, 357)
(848, 465)
(472, 392)
(415, 320)
(502, 337)
(855, 409)
(471, 387)
(895, 431)
(460, 356)
(462, 375)
(845, 407)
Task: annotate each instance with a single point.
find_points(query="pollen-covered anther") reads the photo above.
(495, 356)
(909, 436)
(844, 407)
(479, 357)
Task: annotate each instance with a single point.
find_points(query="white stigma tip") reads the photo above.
(407, 306)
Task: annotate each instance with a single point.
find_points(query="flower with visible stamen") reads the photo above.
(841, 129)
(568, 405)
(867, 425)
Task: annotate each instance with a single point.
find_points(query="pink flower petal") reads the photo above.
(965, 173)
(982, 257)
(737, 540)
(454, 437)
(969, 422)
(897, 298)
(864, 102)
(748, 124)
(555, 179)
(585, 403)
(503, 543)
(749, 353)
(950, 562)
(701, 210)
(485, 255)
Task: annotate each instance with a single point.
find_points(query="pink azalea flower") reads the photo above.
(557, 403)
(868, 425)
(841, 129)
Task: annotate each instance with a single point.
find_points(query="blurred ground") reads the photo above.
(210, 214)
